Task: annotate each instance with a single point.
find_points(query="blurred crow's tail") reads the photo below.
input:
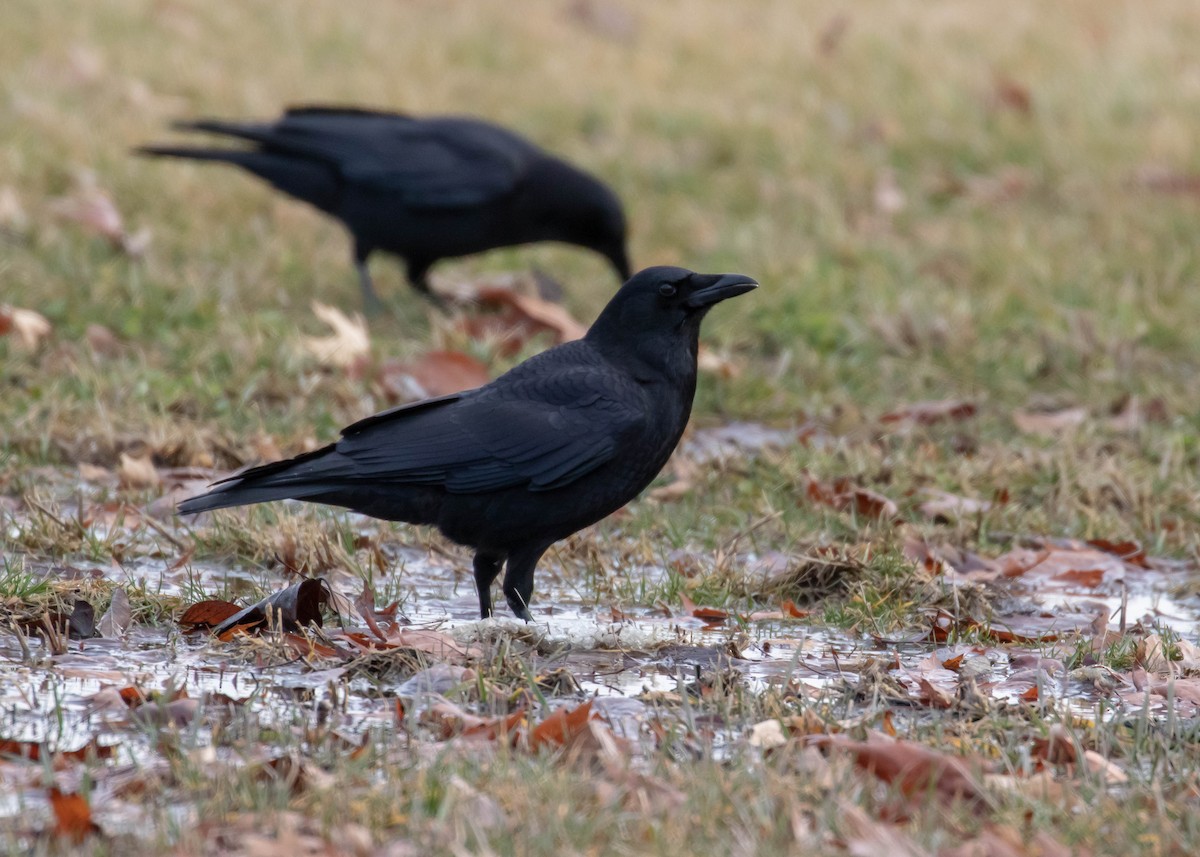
(308, 180)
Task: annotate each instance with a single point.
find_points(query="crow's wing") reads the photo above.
(540, 433)
(444, 162)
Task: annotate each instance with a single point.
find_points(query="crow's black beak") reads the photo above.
(714, 288)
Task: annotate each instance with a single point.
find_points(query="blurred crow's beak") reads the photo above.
(714, 288)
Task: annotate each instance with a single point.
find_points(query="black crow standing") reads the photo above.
(553, 445)
(423, 189)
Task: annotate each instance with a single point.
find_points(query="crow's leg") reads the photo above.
(371, 302)
(518, 579)
(418, 275)
(487, 568)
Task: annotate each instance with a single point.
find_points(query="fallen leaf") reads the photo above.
(365, 605)
(137, 472)
(1163, 179)
(1049, 423)
(440, 645)
(912, 768)
(931, 412)
(844, 495)
(93, 208)
(116, 618)
(437, 373)
(1129, 551)
(29, 326)
(12, 213)
(605, 18)
(767, 735)
(706, 614)
(102, 341)
(452, 721)
(790, 609)
(207, 614)
(348, 345)
(832, 33)
(72, 815)
(289, 609)
(1012, 95)
(543, 314)
(561, 727)
(944, 506)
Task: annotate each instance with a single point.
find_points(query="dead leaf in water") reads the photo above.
(207, 614)
(115, 621)
(72, 815)
(289, 609)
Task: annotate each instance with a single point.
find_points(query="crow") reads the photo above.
(554, 444)
(423, 189)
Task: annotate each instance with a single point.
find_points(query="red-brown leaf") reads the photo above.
(72, 815)
(437, 373)
(930, 412)
(207, 614)
(561, 727)
(915, 770)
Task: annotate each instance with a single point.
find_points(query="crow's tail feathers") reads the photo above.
(305, 476)
(311, 181)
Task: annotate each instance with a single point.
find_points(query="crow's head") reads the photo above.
(660, 306)
(571, 206)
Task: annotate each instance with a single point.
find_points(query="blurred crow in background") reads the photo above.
(423, 189)
(555, 444)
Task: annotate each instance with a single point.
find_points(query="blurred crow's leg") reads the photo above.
(418, 275)
(487, 568)
(518, 580)
(371, 302)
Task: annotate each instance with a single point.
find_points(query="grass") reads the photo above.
(940, 202)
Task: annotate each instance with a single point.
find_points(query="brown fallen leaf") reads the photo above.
(561, 727)
(944, 506)
(1163, 179)
(451, 721)
(707, 614)
(912, 768)
(437, 373)
(102, 341)
(1006, 841)
(511, 317)
(72, 815)
(29, 326)
(845, 496)
(348, 345)
(1010, 94)
(930, 412)
(115, 621)
(365, 605)
(93, 209)
(289, 609)
(137, 472)
(543, 314)
(207, 614)
(1049, 423)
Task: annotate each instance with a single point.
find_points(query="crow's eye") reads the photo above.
(666, 290)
